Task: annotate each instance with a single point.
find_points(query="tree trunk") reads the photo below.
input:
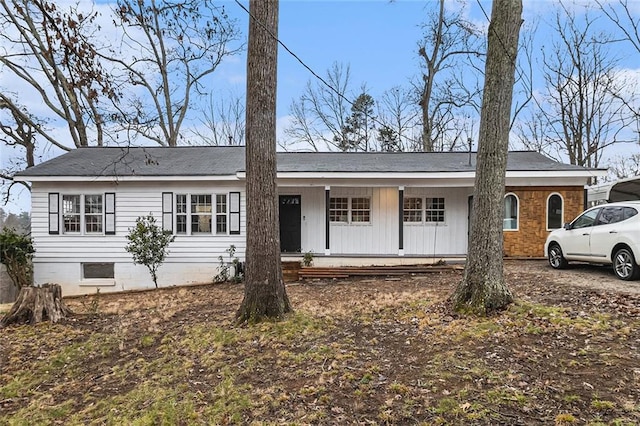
(37, 304)
(483, 288)
(264, 291)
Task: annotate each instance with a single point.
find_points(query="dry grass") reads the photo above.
(354, 352)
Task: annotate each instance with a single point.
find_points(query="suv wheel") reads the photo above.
(624, 265)
(556, 258)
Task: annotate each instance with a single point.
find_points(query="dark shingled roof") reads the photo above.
(228, 160)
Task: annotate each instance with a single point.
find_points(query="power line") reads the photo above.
(316, 75)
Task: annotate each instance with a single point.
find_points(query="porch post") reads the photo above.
(327, 201)
(401, 221)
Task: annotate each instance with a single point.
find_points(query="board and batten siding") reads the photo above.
(191, 258)
(439, 239)
(379, 236)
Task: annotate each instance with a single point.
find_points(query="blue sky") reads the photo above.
(376, 38)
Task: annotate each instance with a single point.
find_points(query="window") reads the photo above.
(97, 270)
(181, 214)
(197, 213)
(71, 213)
(610, 215)
(360, 209)
(200, 214)
(434, 210)
(350, 210)
(554, 211)
(93, 214)
(339, 209)
(629, 212)
(412, 209)
(221, 214)
(83, 214)
(510, 221)
(586, 219)
(72, 217)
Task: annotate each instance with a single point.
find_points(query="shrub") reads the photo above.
(16, 252)
(307, 259)
(224, 273)
(149, 244)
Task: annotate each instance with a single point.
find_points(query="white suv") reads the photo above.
(605, 234)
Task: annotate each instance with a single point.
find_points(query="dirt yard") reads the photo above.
(366, 351)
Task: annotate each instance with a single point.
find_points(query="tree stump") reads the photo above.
(37, 304)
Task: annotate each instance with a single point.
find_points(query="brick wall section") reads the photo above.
(528, 240)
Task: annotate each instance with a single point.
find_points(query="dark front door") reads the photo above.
(290, 224)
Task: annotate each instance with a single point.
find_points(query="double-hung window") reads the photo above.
(93, 214)
(71, 214)
(221, 214)
(417, 208)
(82, 213)
(350, 210)
(339, 209)
(206, 214)
(75, 208)
(200, 214)
(434, 210)
(412, 209)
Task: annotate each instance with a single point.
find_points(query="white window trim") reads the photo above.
(546, 218)
(350, 222)
(188, 214)
(83, 229)
(517, 228)
(424, 222)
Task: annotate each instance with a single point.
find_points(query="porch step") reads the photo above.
(290, 271)
(367, 271)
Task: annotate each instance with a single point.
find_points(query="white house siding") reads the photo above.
(441, 239)
(191, 259)
(379, 236)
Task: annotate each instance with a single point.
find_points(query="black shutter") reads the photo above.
(54, 213)
(167, 211)
(234, 213)
(110, 213)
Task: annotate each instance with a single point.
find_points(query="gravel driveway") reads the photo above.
(580, 275)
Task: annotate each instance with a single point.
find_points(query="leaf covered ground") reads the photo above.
(368, 351)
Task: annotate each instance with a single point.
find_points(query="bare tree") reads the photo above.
(399, 127)
(167, 50)
(483, 288)
(222, 121)
(450, 44)
(582, 110)
(51, 60)
(627, 23)
(624, 166)
(18, 134)
(319, 115)
(50, 52)
(264, 292)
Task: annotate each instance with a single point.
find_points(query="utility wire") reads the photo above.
(316, 75)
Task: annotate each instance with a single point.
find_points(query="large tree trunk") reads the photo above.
(264, 292)
(37, 304)
(483, 288)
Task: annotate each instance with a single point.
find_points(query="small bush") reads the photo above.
(16, 253)
(307, 259)
(224, 270)
(149, 244)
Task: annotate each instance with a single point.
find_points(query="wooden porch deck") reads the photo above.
(293, 271)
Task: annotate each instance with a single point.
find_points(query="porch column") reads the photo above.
(327, 201)
(401, 221)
